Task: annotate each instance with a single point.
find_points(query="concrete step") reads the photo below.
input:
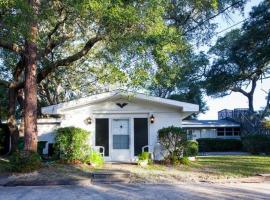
(110, 177)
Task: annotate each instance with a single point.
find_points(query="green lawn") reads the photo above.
(234, 165)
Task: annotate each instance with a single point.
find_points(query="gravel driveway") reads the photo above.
(131, 191)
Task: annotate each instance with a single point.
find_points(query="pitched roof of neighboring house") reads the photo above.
(208, 123)
(56, 109)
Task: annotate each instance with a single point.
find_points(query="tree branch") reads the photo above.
(68, 60)
(10, 46)
(238, 89)
(4, 83)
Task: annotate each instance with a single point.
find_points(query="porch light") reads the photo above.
(88, 120)
(152, 119)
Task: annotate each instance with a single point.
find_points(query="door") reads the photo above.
(140, 134)
(102, 134)
(121, 140)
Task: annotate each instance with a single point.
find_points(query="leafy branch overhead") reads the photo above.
(241, 57)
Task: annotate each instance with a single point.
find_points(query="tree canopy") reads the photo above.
(241, 57)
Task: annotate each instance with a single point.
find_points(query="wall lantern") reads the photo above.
(88, 120)
(152, 119)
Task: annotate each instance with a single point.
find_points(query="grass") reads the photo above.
(236, 166)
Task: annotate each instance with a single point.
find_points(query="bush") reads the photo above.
(94, 158)
(173, 140)
(25, 161)
(219, 144)
(256, 144)
(184, 161)
(71, 144)
(191, 148)
(144, 158)
(21, 143)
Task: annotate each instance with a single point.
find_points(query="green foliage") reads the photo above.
(173, 140)
(241, 56)
(21, 143)
(219, 144)
(184, 161)
(25, 161)
(71, 144)
(267, 124)
(2, 137)
(256, 144)
(144, 158)
(191, 148)
(94, 158)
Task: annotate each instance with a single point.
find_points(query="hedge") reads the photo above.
(219, 145)
(256, 144)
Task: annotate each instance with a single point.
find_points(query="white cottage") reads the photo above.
(120, 122)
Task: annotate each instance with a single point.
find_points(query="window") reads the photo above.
(189, 134)
(229, 131)
(121, 142)
(220, 132)
(236, 131)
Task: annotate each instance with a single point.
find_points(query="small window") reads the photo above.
(236, 131)
(220, 132)
(121, 142)
(229, 131)
(189, 134)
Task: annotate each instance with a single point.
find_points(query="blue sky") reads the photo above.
(234, 100)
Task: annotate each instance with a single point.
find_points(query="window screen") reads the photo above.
(236, 131)
(102, 134)
(121, 142)
(229, 131)
(140, 134)
(220, 132)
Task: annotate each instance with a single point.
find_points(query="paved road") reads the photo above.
(129, 191)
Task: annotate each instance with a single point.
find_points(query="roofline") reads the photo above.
(56, 109)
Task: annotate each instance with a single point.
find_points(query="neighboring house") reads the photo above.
(211, 129)
(121, 122)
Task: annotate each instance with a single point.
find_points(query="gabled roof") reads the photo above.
(56, 109)
(208, 123)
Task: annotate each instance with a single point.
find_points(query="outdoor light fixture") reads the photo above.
(88, 120)
(152, 119)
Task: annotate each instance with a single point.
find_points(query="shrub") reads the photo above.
(25, 161)
(219, 144)
(21, 143)
(184, 161)
(2, 138)
(173, 140)
(94, 158)
(191, 148)
(71, 144)
(144, 158)
(256, 144)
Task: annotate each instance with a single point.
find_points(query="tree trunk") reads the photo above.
(250, 102)
(12, 125)
(30, 88)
